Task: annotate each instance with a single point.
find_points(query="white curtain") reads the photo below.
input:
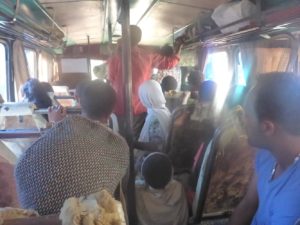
(45, 69)
(21, 73)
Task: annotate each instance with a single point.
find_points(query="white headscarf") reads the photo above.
(153, 99)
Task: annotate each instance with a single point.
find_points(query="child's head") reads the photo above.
(169, 83)
(157, 170)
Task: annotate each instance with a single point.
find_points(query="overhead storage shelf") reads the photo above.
(28, 19)
(279, 20)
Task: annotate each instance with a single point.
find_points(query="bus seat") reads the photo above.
(185, 138)
(6, 154)
(8, 193)
(231, 173)
(18, 116)
(203, 178)
(224, 175)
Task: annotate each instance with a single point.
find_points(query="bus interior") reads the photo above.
(64, 42)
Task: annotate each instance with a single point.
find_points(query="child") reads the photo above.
(160, 199)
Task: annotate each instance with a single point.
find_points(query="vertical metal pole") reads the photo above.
(126, 68)
(89, 57)
(127, 79)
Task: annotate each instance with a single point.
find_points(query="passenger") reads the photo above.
(174, 99)
(195, 79)
(204, 106)
(35, 93)
(160, 199)
(194, 127)
(47, 87)
(168, 83)
(78, 91)
(273, 125)
(142, 64)
(156, 128)
(78, 156)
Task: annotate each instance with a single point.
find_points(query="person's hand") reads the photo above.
(56, 114)
(178, 44)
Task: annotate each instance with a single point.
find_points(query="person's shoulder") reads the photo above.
(264, 159)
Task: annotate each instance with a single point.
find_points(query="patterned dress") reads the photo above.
(75, 158)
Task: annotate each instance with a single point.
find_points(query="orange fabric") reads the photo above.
(142, 65)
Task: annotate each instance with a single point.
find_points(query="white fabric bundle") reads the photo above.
(233, 11)
(96, 209)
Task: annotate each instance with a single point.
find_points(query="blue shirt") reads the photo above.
(279, 199)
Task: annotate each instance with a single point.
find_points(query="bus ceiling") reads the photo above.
(60, 23)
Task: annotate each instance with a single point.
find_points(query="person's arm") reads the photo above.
(168, 62)
(56, 114)
(245, 211)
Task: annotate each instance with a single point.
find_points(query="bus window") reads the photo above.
(240, 75)
(217, 69)
(3, 72)
(45, 67)
(31, 58)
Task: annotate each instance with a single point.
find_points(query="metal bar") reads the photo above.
(21, 133)
(68, 110)
(127, 79)
(49, 17)
(187, 5)
(154, 2)
(69, 1)
(89, 57)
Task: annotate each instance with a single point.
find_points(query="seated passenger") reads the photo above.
(78, 156)
(47, 87)
(35, 93)
(273, 125)
(193, 127)
(160, 200)
(204, 106)
(195, 79)
(168, 84)
(155, 131)
(174, 99)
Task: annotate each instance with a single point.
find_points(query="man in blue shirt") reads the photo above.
(273, 126)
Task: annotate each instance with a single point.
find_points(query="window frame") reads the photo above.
(9, 79)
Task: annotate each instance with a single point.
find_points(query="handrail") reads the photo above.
(20, 133)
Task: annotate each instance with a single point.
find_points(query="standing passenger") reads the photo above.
(78, 156)
(142, 64)
(273, 125)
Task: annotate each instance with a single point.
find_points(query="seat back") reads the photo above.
(203, 178)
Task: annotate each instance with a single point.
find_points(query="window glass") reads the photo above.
(45, 67)
(240, 75)
(217, 69)
(31, 58)
(3, 72)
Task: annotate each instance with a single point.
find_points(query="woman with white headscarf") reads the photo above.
(155, 131)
